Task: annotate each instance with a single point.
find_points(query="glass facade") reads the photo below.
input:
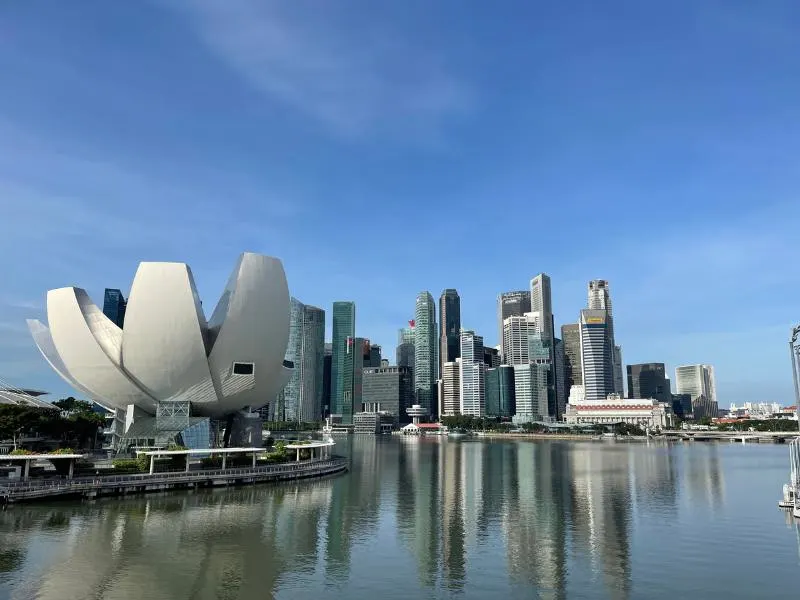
(355, 358)
(500, 396)
(114, 305)
(450, 325)
(425, 344)
(388, 389)
(344, 328)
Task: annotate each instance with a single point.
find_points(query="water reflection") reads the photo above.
(459, 514)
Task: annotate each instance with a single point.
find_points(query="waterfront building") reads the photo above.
(500, 392)
(425, 344)
(645, 413)
(449, 327)
(286, 405)
(114, 305)
(649, 380)
(511, 304)
(571, 337)
(373, 423)
(387, 389)
(698, 381)
(491, 356)
(596, 355)
(472, 375)
(344, 328)
(451, 388)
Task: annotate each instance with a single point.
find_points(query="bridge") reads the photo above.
(768, 437)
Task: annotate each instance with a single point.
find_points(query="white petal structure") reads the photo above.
(166, 350)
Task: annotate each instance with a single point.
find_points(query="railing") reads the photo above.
(85, 483)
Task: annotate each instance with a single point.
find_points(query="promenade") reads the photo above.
(115, 485)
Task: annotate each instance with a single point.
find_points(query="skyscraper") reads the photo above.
(114, 305)
(425, 344)
(516, 336)
(542, 302)
(326, 380)
(491, 356)
(374, 356)
(500, 396)
(344, 328)
(511, 304)
(618, 384)
(596, 355)
(599, 293)
(451, 388)
(357, 356)
(405, 346)
(473, 375)
(699, 382)
(562, 393)
(449, 326)
(571, 337)
(649, 380)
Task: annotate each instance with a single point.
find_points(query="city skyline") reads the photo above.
(197, 139)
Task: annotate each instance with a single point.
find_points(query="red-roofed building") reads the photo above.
(615, 409)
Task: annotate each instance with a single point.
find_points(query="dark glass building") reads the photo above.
(374, 356)
(326, 380)
(450, 327)
(114, 304)
(388, 389)
(649, 380)
(344, 329)
(491, 356)
(356, 357)
(500, 392)
(682, 405)
(571, 338)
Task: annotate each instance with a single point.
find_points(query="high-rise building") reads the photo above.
(326, 380)
(599, 293)
(405, 346)
(388, 389)
(698, 381)
(114, 305)
(473, 375)
(516, 337)
(530, 392)
(571, 337)
(301, 398)
(649, 380)
(491, 356)
(562, 392)
(344, 328)
(596, 355)
(451, 388)
(500, 396)
(511, 304)
(542, 302)
(374, 356)
(356, 357)
(425, 344)
(449, 326)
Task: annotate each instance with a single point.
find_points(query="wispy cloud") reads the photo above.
(356, 80)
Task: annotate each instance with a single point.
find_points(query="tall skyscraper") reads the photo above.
(451, 388)
(599, 293)
(699, 382)
(405, 346)
(511, 304)
(326, 380)
(344, 328)
(500, 396)
(558, 367)
(649, 380)
(114, 305)
(473, 375)
(425, 344)
(530, 392)
(596, 355)
(571, 337)
(491, 356)
(516, 337)
(374, 356)
(449, 326)
(542, 302)
(356, 357)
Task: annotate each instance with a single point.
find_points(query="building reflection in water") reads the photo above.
(542, 509)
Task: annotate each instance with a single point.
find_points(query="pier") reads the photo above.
(120, 485)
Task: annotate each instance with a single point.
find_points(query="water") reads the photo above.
(430, 518)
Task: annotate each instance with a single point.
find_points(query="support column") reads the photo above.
(224, 461)
(187, 464)
(71, 468)
(298, 455)
(254, 459)
(152, 463)
(27, 470)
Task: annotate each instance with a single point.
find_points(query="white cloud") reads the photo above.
(356, 80)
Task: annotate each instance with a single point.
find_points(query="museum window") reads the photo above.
(242, 368)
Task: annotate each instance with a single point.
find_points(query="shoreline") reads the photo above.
(539, 436)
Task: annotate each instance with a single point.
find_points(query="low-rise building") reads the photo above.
(615, 409)
(373, 423)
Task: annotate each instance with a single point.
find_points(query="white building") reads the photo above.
(614, 409)
(451, 388)
(530, 390)
(698, 381)
(472, 376)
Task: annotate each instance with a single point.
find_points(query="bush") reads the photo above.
(20, 452)
(211, 462)
(63, 451)
(126, 465)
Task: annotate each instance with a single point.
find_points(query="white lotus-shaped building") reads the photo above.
(167, 351)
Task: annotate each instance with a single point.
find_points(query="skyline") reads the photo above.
(652, 150)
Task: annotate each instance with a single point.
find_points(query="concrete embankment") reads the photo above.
(87, 487)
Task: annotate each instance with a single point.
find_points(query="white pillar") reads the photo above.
(187, 464)
(152, 463)
(71, 468)
(224, 460)
(298, 455)
(27, 470)
(254, 460)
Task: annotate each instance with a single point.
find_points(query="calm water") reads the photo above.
(429, 518)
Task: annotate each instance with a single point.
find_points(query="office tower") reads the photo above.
(388, 389)
(374, 359)
(542, 303)
(596, 355)
(344, 328)
(511, 304)
(649, 380)
(356, 357)
(326, 379)
(530, 392)
(682, 405)
(425, 344)
(599, 293)
(449, 326)
(500, 396)
(516, 333)
(571, 337)
(698, 381)
(451, 388)
(114, 305)
(562, 393)
(491, 356)
(473, 374)
(405, 346)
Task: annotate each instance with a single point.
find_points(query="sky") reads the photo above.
(381, 149)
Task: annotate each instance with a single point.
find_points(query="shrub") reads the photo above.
(20, 452)
(63, 451)
(126, 465)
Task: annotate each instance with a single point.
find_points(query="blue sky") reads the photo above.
(383, 148)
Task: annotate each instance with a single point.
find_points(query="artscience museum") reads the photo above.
(170, 375)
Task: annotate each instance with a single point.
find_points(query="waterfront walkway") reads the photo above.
(92, 487)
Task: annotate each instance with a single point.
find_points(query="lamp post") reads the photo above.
(793, 355)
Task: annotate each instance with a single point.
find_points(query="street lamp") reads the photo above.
(793, 355)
